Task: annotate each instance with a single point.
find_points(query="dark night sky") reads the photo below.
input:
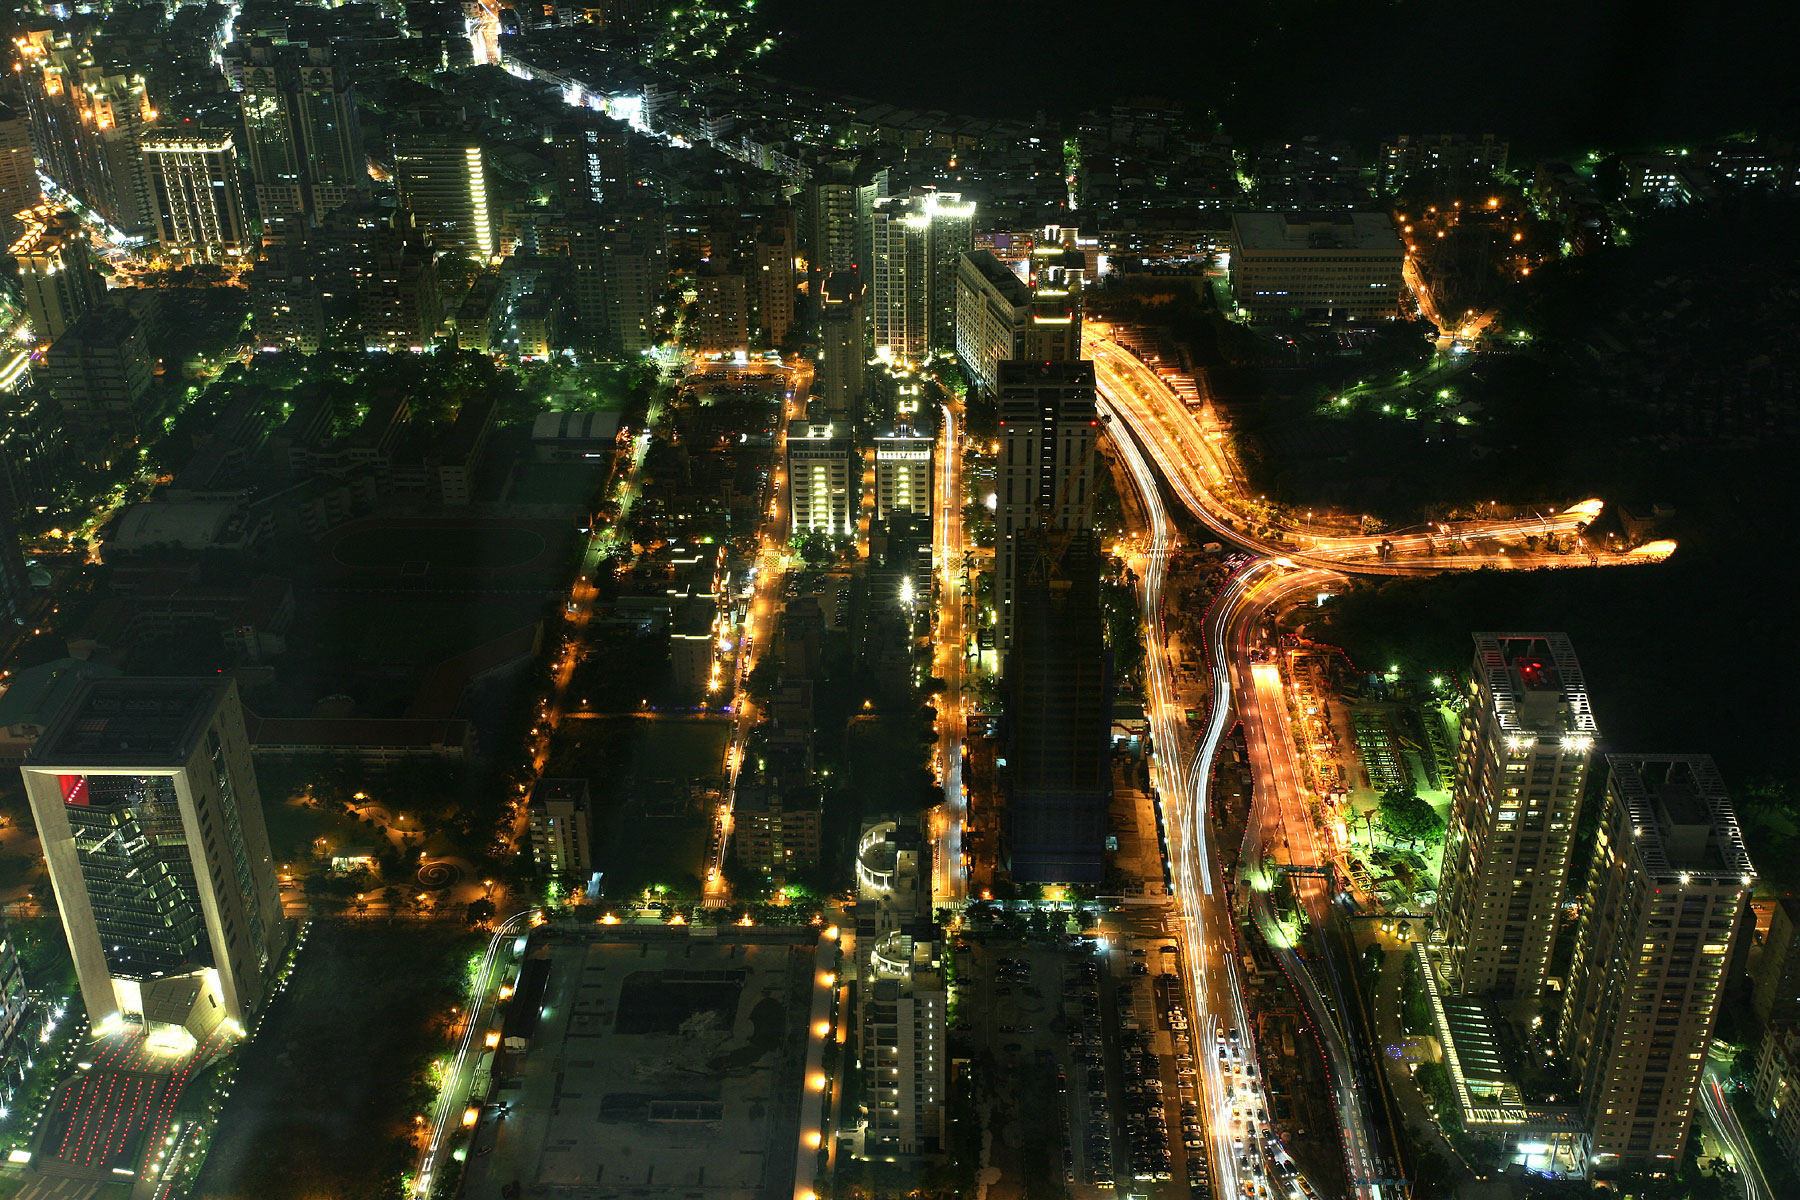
(1553, 74)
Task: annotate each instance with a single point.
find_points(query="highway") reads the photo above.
(455, 1102)
(950, 882)
(1719, 1114)
(1181, 774)
(1187, 452)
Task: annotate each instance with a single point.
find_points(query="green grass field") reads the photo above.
(478, 548)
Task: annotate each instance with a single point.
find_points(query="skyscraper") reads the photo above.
(442, 176)
(1058, 686)
(1058, 273)
(916, 243)
(199, 204)
(1527, 740)
(843, 353)
(903, 472)
(56, 271)
(153, 832)
(840, 201)
(1048, 426)
(303, 132)
(1669, 878)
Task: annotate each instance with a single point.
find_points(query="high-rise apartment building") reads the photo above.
(1057, 682)
(775, 826)
(903, 472)
(442, 176)
(843, 352)
(917, 242)
(1668, 880)
(1343, 265)
(86, 122)
(152, 828)
(993, 307)
(560, 813)
(19, 189)
(1447, 160)
(1049, 424)
(199, 203)
(619, 267)
(302, 128)
(824, 479)
(839, 205)
(1527, 740)
(590, 153)
(99, 372)
(1775, 980)
(721, 311)
(56, 271)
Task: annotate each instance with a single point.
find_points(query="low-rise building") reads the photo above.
(1340, 265)
(562, 835)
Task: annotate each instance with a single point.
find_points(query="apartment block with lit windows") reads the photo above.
(442, 177)
(1669, 878)
(1527, 742)
(560, 813)
(903, 472)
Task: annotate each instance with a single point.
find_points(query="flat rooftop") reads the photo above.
(130, 723)
(1299, 232)
(1536, 681)
(1682, 814)
(667, 1062)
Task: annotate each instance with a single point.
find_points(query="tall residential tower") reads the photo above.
(1527, 740)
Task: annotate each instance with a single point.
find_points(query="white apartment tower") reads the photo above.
(1527, 741)
(824, 482)
(1669, 879)
(152, 828)
(916, 243)
(1049, 424)
(903, 473)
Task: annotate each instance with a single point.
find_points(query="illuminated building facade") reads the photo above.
(916, 243)
(824, 479)
(1058, 273)
(1527, 741)
(152, 828)
(443, 178)
(1668, 880)
(199, 204)
(56, 271)
(903, 472)
(86, 124)
(19, 189)
(1049, 424)
(993, 306)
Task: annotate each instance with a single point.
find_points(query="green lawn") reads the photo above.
(466, 548)
(572, 484)
(429, 629)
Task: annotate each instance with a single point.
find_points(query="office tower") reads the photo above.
(19, 190)
(993, 307)
(86, 122)
(1445, 160)
(442, 177)
(56, 270)
(99, 372)
(916, 243)
(1057, 682)
(303, 132)
(1775, 981)
(1058, 273)
(560, 813)
(1527, 740)
(903, 472)
(153, 833)
(1340, 265)
(843, 353)
(1668, 880)
(199, 205)
(824, 479)
(1049, 423)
